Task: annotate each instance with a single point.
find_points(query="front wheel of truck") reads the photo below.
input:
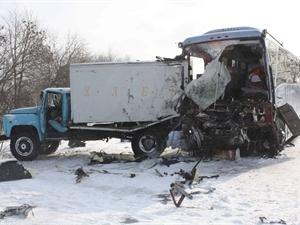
(25, 146)
(148, 143)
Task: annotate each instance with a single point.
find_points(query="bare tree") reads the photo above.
(30, 61)
(73, 51)
(24, 43)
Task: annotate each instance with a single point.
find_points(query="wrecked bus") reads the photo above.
(220, 93)
(232, 103)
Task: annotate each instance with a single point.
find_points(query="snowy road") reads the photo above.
(246, 190)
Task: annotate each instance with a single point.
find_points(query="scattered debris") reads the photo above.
(13, 170)
(76, 143)
(173, 160)
(179, 188)
(203, 191)
(80, 174)
(264, 220)
(130, 220)
(189, 176)
(158, 173)
(208, 177)
(167, 162)
(165, 198)
(22, 210)
(130, 175)
(104, 158)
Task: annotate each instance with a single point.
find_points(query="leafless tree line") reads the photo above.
(31, 61)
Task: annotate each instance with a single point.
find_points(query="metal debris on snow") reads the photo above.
(179, 187)
(264, 220)
(80, 174)
(22, 210)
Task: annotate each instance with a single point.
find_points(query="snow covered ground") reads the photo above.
(246, 190)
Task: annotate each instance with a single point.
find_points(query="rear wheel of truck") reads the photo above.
(25, 146)
(49, 147)
(148, 143)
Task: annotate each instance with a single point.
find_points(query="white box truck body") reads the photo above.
(125, 92)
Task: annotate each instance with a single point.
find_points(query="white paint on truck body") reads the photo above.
(125, 92)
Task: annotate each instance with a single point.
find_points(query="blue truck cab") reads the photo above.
(37, 130)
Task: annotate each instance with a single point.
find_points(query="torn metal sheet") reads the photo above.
(205, 90)
(22, 210)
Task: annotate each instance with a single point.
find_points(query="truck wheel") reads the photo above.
(148, 143)
(49, 147)
(25, 146)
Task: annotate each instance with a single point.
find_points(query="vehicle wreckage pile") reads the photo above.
(225, 111)
(230, 125)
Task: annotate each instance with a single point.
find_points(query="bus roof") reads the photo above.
(224, 34)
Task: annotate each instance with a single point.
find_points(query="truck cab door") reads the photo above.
(58, 113)
(65, 110)
(43, 112)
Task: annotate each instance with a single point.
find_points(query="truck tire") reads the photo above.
(148, 143)
(25, 146)
(49, 147)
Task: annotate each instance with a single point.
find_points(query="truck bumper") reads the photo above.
(3, 137)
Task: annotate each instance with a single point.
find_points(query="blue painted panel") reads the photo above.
(43, 112)
(12, 120)
(27, 110)
(65, 110)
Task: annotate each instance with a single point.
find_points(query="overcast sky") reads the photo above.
(143, 29)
